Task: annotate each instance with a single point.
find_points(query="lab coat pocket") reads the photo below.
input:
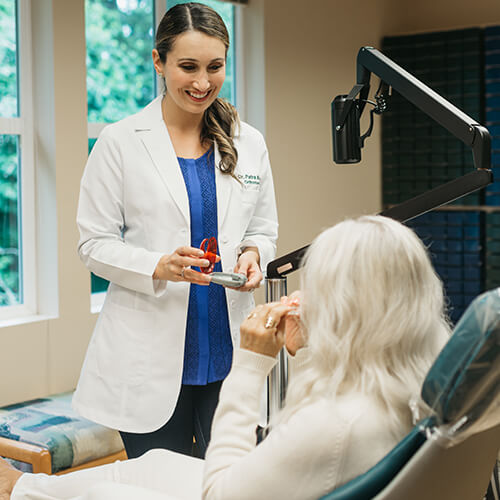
(124, 346)
(249, 196)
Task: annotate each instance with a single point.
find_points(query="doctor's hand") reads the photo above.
(248, 264)
(177, 266)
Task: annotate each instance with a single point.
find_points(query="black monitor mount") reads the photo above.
(347, 140)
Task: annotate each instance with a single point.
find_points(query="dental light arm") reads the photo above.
(347, 141)
(463, 127)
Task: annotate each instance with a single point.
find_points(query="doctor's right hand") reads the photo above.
(177, 266)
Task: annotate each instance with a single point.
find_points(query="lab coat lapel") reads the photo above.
(154, 135)
(224, 184)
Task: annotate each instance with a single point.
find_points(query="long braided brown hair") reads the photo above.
(221, 118)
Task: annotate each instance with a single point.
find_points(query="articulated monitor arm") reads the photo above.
(462, 126)
(346, 112)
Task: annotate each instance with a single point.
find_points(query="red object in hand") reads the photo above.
(209, 246)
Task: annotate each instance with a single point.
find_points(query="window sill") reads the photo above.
(21, 320)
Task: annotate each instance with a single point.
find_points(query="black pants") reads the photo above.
(192, 416)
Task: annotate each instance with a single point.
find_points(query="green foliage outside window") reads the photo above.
(8, 59)
(9, 240)
(120, 77)
(9, 155)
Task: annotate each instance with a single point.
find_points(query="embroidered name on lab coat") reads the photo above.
(250, 181)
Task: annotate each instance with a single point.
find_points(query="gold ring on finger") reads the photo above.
(270, 322)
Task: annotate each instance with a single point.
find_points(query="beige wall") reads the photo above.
(308, 57)
(434, 15)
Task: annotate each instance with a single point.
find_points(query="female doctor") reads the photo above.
(156, 184)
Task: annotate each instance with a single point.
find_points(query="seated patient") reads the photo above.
(367, 325)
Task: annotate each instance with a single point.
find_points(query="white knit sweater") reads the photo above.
(321, 447)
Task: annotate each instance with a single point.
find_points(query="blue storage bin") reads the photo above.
(455, 273)
(472, 273)
(492, 87)
(491, 31)
(492, 191)
(493, 102)
(471, 259)
(492, 117)
(472, 287)
(455, 246)
(495, 169)
(492, 199)
(439, 246)
(471, 246)
(493, 247)
(492, 73)
(492, 58)
(440, 218)
(437, 232)
(455, 259)
(493, 218)
(454, 232)
(455, 218)
(472, 232)
(442, 272)
(456, 299)
(454, 287)
(471, 218)
(440, 259)
(468, 299)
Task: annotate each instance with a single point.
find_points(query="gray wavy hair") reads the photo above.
(373, 313)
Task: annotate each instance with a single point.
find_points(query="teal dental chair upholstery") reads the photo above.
(450, 455)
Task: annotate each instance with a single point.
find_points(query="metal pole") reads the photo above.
(278, 378)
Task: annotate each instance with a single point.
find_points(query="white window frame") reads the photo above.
(23, 126)
(239, 60)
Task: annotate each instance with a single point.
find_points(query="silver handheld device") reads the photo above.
(233, 280)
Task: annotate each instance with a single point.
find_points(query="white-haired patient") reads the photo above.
(361, 335)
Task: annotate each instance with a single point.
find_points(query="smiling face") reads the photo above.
(194, 71)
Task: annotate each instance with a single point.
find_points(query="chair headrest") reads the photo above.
(463, 384)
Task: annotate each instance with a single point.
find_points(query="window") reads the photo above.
(120, 74)
(17, 243)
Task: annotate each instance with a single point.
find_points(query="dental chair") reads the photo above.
(451, 454)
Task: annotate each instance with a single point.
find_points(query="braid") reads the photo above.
(219, 125)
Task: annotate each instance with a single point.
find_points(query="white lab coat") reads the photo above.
(134, 208)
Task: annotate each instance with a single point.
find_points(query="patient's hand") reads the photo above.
(8, 478)
(294, 336)
(263, 330)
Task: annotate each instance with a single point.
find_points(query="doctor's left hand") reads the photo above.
(249, 265)
(177, 266)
